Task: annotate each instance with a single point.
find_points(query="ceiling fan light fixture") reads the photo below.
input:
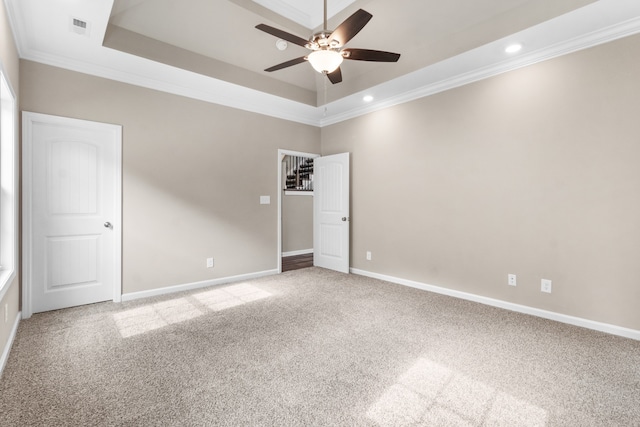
(325, 61)
(326, 47)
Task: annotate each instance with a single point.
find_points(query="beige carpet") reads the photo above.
(314, 347)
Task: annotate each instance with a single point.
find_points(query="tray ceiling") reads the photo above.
(210, 50)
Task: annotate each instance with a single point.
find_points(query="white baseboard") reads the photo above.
(7, 347)
(300, 252)
(563, 318)
(196, 285)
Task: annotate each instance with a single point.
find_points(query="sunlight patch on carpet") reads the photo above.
(232, 296)
(150, 317)
(155, 316)
(431, 394)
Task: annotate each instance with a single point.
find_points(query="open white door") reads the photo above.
(331, 212)
(72, 212)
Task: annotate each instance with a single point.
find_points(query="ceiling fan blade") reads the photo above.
(350, 27)
(287, 64)
(282, 35)
(336, 76)
(370, 55)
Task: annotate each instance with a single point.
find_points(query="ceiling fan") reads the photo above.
(327, 47)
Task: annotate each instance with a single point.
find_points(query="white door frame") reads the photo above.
(28, 119)
(281, 154)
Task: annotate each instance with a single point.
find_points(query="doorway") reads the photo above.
(330, 210)
(295, 209)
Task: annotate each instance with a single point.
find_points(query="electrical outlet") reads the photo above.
(209, 262)
(368, 256)
(545, 286)
(511, 280)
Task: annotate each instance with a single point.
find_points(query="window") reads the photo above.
(8, 184)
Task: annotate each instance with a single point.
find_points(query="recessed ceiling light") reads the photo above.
(513, 48)
(368, 98)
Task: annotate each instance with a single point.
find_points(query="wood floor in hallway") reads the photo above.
(297, 262)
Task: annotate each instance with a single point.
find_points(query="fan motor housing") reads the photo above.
(321, 41)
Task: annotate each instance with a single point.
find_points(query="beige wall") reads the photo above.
(193, 174)
(534, 172)
(10, 63)
(297, 223)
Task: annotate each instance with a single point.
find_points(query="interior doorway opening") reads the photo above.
(295, 209)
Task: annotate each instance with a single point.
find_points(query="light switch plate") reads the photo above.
(265, 200)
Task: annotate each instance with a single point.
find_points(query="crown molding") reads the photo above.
(311, 20)
(191, 85)
(559, 36)
(19, 34)
(582, 42)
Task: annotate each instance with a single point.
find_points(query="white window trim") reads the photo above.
(9, 183)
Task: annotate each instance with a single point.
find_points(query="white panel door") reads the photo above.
(331, 212)
(72, 198)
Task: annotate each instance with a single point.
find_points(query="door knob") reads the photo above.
(345, 218)
(107, 224)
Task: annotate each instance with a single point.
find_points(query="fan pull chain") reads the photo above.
(325, 97)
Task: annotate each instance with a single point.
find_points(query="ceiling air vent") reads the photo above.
(79, 26)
